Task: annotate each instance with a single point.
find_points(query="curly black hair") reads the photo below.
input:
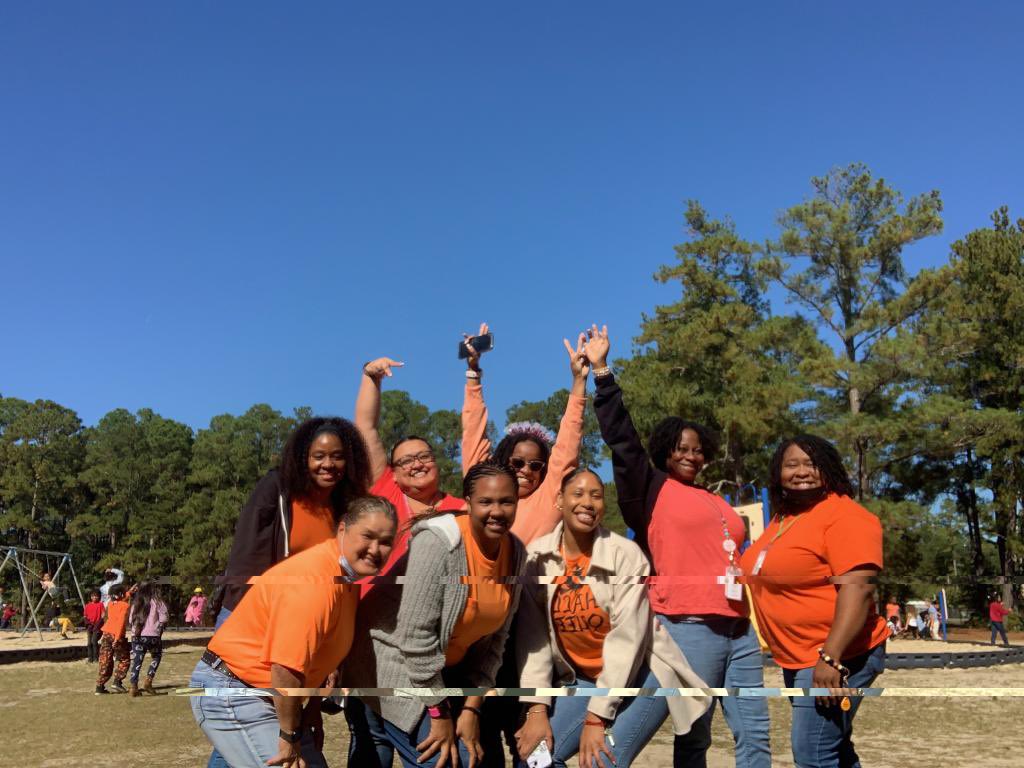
(488, 468)
(503, 451)
(665, 437)
(825, 457)
(295, 461)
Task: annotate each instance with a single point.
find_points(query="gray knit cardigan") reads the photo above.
(402, 629)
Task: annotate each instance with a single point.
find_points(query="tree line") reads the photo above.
(917, 378)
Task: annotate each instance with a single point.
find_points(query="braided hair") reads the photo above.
(488, 468)
(826, 459)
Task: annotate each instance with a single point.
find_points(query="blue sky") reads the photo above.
(208, 205)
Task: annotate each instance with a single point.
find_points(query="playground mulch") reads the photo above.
(51, 719)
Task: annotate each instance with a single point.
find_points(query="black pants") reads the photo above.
(501, 714)
(92, 641)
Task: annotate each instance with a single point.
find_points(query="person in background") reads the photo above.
(290, 630)
(693, 539)
(585, 621)
(112, 577)
(923, 630)
(195, 608)
(7, 616)
(445, 626)
(65, 622)
(540, 468)
(324, 465)
(892, 608)
(996, 613)
(113, 644)
(147, 619)
(933, 620)
(93, 614)
(811, 576)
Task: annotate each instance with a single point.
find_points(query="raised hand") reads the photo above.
(381, 367)
(473, 360)
(597, 346)
(578, 363)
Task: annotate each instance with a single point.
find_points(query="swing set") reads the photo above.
(16, 556)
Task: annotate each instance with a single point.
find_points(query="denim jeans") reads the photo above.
(405, 743)
(636, 722)
(822, 736)
(725, 653)
(997, 626)
(216, 761)
(368, 743)
(243, 729)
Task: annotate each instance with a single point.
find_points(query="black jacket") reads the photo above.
(637, 482)
(261, 537)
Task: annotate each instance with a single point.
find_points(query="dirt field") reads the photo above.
(52, 719)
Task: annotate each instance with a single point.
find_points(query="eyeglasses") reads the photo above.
(423, 457)
(535, 465)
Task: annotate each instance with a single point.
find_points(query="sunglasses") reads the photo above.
(424, 457)
(535, 465)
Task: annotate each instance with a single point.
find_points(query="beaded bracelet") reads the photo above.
(836, 665)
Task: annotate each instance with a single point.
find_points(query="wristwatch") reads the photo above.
(292, 737)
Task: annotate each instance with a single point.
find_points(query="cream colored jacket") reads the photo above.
(616, 577)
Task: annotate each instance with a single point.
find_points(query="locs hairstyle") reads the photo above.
(665, 438)
(825, 457)
(295, 461)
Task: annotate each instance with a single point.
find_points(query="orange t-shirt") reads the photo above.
(298, 614)
(793, 599)
(311, 524)
(117, 619)
(580, 623)
(488, 603)
(892, 609)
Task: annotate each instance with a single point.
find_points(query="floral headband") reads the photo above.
(531, 429)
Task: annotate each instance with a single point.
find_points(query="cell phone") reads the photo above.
(481, 344)
(540, 757)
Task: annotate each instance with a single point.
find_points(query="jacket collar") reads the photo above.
(602, 555)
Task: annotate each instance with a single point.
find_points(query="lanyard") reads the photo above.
(764, 552)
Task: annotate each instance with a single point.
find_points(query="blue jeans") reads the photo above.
(822, 736)
(725, 653)
(405, 743)
(636, 722)
(997, 626)
(243, 729)
(216, 761)
(368, 744)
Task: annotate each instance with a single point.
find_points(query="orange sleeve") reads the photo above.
(565, 454)
(475, 445)
(296, 614)
(854, 537)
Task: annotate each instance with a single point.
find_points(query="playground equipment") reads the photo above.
(16, 555)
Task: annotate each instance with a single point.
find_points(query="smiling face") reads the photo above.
(366, 543)
(582, 504)
(798, 472)
(415, 468)
(326, 461)
(528, 464)
(492, 510)
(687, 458)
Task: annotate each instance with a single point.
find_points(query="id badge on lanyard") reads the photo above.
(733, 588)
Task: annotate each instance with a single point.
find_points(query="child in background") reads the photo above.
(66, 624)
(113, 644)
(93, 621)
(8, 614)
(147, 618)
(196, 606)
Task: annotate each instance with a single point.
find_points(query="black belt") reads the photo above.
(216, 662)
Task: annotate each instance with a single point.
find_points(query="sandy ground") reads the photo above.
(10, 641)
(52, 719)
